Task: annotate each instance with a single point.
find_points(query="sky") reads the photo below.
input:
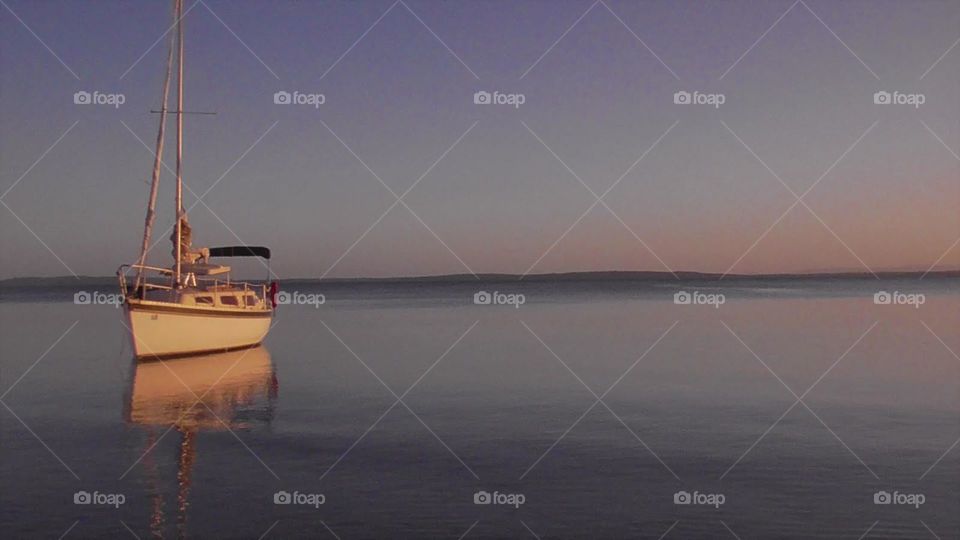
(788, 165)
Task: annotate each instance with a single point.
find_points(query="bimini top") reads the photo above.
(240, 251)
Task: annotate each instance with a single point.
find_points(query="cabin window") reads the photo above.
(250, 300)
(205, 300)
(229, 300)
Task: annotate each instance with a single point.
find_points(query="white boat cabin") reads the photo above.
(221, 296)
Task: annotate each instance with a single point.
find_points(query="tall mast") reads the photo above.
(179, 204)
(157, 161)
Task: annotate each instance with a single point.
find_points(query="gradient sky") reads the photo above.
(499, 199)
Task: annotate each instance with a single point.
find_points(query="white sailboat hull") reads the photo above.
(163, 329)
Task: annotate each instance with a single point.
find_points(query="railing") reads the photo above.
(209, 283)
(122, 276)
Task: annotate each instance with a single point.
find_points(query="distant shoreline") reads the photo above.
(566, 277)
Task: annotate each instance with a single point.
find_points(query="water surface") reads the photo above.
(498, 399)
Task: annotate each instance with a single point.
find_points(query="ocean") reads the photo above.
(763, 408)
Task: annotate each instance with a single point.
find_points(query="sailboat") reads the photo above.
(192, 306)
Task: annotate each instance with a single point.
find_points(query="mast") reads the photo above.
(179, 202)
(157, 161)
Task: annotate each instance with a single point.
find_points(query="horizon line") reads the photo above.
(612, 275)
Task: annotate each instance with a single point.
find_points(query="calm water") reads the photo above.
(484, 404)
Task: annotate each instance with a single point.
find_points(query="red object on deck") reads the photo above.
(274, 289)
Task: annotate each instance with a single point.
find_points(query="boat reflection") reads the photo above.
(217, 392)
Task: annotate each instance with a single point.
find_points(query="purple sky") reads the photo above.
(716, 189)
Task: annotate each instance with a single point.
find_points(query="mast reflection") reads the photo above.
(235, 390)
